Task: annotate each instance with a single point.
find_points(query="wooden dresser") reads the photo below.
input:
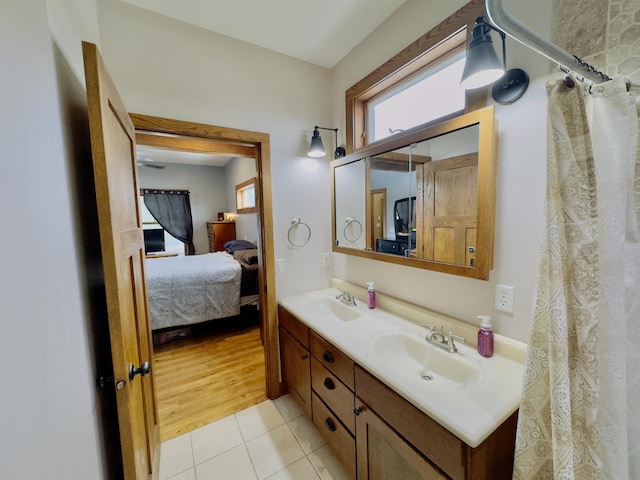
(219, 234)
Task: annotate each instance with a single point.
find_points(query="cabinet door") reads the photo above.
(296, 370)
(384, 455)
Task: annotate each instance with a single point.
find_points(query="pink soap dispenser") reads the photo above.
(372, 295)
(485, 336)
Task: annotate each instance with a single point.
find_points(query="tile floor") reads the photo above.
(272, 440)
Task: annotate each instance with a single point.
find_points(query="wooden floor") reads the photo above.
(215, 372)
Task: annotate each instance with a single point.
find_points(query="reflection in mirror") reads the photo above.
(428, 202)
(350, 188)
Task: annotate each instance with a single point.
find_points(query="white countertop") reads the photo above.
(471, 412)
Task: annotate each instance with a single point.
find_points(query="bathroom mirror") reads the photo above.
(423, 198)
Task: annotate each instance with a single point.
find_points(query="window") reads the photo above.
(431, 95)
(408, 90)
(246, 197)
(156, 238)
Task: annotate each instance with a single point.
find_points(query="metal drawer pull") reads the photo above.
(329, 384)
(327, 357)
(357, 411)
(330, 424)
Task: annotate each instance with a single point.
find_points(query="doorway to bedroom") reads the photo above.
(215, 356)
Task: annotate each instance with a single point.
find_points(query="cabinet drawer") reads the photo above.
(295, 327)
(334, 393)
(438, 444)
(335, 434)
(333, 359)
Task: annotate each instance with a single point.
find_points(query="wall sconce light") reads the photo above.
(316, 149)
(483, 67)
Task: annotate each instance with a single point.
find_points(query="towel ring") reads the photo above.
(295, 223)
(352, 221)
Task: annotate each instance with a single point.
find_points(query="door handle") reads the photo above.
(327, 356)
(330, 424)
(143, 370)
(328, 383)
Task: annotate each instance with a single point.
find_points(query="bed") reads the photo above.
(197, 288)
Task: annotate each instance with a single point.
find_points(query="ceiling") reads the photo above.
(160, 157)
(319, 32)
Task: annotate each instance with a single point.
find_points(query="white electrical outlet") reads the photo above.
(326, 259)
(280, 266)
(504, 298)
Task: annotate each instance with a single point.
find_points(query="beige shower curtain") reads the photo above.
(578, 418)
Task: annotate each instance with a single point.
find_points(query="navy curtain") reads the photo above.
(172, 210)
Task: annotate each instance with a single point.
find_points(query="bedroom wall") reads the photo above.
(51, 419)
(168, 68)
(206, 187)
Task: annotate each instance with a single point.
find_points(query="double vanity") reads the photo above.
(391, 404)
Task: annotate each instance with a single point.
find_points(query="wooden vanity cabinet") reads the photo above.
(389, 424)
(333, 399)
(374, 432)
(383, 454)
(295, 358)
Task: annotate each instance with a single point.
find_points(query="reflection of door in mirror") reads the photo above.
(448, 203)
(378, 220)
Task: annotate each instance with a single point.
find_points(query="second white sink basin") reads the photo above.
(412, 357)
(331, 306)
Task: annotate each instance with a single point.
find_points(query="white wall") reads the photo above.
(49, 420)
(521, 176)
(206, 187)
(168, 68)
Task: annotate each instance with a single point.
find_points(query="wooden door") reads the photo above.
(378, 220)
(448, 202)
(296, 370)
(383, 454)
(114, 164)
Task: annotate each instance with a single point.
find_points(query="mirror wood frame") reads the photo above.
(197, 137)
(487, 167)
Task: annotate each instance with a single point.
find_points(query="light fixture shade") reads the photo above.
(316, 149)
(482, 66)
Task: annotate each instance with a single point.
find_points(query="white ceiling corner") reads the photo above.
(319, 32)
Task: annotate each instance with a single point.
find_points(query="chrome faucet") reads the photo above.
(439, 339)
(347, 298)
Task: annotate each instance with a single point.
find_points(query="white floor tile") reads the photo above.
(273, 451)
(300, 470)
(327, 465)
(188, 475)
(259, 419)
(234, 464)
(176, 456)
(215, 438)
(288, 407)
(306, 434)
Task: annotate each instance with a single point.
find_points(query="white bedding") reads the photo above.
(192, 289)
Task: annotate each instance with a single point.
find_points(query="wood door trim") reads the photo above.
(261, 145)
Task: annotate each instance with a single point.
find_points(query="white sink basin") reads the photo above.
(330, 306)
(412, 357)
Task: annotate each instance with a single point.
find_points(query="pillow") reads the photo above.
(235, 245)
(249, 256)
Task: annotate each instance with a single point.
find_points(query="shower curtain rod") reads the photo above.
(523, 34)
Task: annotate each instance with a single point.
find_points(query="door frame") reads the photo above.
(175, 134)
(372, 219)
